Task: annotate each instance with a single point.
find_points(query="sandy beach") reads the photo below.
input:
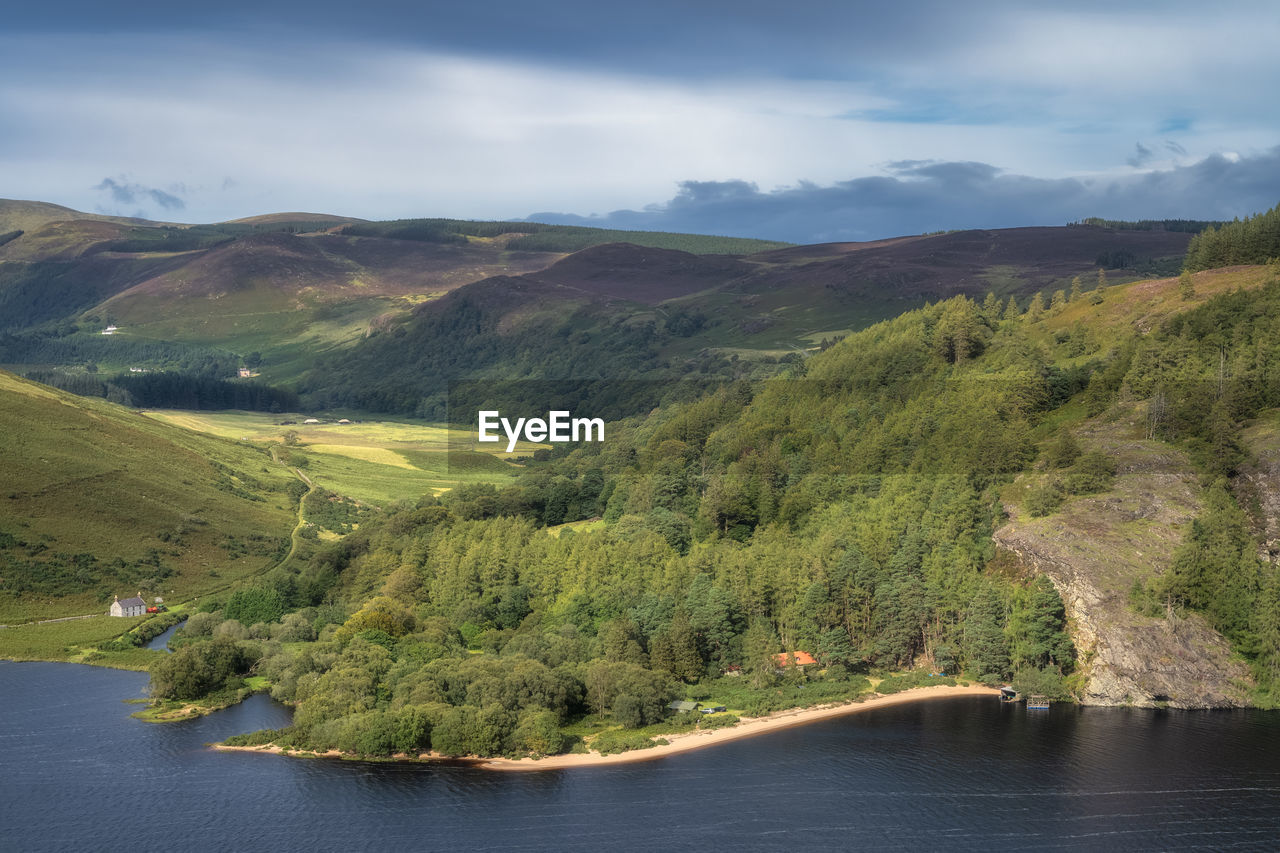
(685, 741)
(749, 727)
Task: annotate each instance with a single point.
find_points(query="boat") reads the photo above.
(1037, 703)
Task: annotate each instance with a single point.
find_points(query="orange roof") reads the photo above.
(802, 659)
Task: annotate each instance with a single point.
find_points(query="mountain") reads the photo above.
(629, 311)
(17, 215)
(286, 286)
(345, 308)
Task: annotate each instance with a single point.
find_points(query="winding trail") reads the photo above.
(296, 535)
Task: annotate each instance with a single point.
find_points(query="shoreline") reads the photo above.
(678, 743)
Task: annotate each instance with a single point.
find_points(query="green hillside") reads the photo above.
(19, 215)
(632, 312)
(968, 489)
(292, 291)
(99, 500)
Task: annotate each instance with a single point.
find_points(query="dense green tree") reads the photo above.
(255, 604)
(985, 646)
(199, 668)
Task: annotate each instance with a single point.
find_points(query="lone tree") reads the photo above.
(1036, 308)
(1186, 287)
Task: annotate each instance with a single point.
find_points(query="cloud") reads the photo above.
(454, 119)
(922, 196)
(126, 192)
(1141, 156)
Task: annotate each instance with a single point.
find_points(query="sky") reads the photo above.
(805, 121)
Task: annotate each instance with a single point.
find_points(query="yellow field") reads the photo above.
(372, 461)
(377, 455)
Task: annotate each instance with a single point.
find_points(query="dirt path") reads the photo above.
(296, 535)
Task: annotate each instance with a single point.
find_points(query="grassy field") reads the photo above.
(375, 462)
(98, 501)
(76, 642)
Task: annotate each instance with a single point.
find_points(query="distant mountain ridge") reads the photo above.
(303, 290)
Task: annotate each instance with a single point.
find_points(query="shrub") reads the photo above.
(613, 741)
(1092, 473)
(1041, 682)
(1045, 497)
(718, 721)
(538, 733)
(908, 680)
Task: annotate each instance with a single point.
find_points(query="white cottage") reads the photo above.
(129, 607)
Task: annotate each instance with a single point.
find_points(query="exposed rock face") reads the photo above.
(1095, 547)
(1258, 486)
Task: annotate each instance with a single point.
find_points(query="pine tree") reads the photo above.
(686, 663)
(985, 645)
(1266, 628)
(1012, 311)
(992, 306)
(758, 647)
(1075, 289)
(1036, 308)
(1099, 291)
(1058, 302)
(1186, 287)
(1047, 628)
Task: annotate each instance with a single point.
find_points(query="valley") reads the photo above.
(973, 456)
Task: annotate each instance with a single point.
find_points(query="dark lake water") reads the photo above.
(161, 641)
(77, 773)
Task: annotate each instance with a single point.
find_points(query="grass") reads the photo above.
(74, 642)
(99, 501)
(376, 462)
(1144, 305)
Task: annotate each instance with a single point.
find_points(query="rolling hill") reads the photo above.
(300, 289)
(98, 500)
(627, 311)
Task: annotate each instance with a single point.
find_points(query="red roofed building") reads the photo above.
(802, 659)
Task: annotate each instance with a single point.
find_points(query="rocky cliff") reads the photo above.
(1094, 548)
(1258, 486)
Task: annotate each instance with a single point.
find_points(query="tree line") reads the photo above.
(1253, 240)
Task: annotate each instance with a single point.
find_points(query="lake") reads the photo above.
(79, 773)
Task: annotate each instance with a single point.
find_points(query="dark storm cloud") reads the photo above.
(662, 36)
(127, 192)
(922, 196)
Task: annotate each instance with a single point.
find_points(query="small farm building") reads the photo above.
(129, 607)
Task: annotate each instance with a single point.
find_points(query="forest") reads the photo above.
(1253, 240)
(844, 508)
(457, 351)
(171, 389)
